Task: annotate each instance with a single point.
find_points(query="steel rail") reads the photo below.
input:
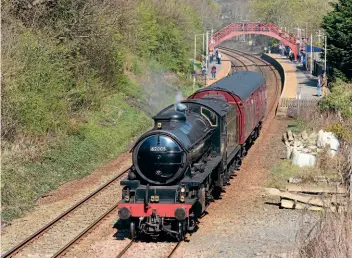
(85, 231)
(266, 64)
(174, 249)
(233, 65)
(125, 249)
(244, 55)
(29, 239)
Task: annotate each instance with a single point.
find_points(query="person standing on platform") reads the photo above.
(319, 84)
(304, 62)
(204, 70)
(211, 56)
(219, 58)
(213, 72)
(291, 56)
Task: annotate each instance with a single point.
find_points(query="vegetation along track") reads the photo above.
(59, 235)
(65, 230)
(254, 63)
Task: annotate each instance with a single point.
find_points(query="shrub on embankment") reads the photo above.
(80, 81)
(340, 99)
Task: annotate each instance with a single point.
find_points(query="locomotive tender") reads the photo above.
(184, 162)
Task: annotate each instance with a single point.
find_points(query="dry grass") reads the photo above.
(330, 237)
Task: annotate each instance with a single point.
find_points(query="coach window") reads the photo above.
(210, 116)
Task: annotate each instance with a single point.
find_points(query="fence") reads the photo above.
(295, 107)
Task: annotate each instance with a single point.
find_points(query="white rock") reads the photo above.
(303, 159)
(312, 139)
(312, 147)
(304, 135)
(328, 139)
(289, 135)
(284, 137)
(297, 143)
(332, 152)
(321, 139)
(289, 150)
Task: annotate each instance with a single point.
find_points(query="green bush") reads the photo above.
(45, 92)
(339, 100)
(108, 133)
(341, 131)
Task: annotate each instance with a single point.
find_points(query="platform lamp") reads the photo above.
(311, 53)
(195, 56)
(325, 50)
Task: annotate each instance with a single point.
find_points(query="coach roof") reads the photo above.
(242, 84)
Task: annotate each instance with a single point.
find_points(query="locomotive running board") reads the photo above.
(199, 178)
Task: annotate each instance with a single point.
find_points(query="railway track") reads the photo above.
(272, 78)
(57, 247)
(84, 217)
(127, 247)
(233, 53)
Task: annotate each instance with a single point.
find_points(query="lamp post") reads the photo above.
(325, 50)
(319, 34)
(311, 53)
(195, 56)
(206, 50)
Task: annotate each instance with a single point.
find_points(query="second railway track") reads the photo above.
(61, 233)
(58, 236)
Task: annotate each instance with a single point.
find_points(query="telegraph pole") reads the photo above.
(325, 50)
(206, 50)
(194, 61)
(311, 53)
(203, 47)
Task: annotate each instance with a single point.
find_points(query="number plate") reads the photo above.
(158, 148)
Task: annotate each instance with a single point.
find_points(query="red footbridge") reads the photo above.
(258, 28)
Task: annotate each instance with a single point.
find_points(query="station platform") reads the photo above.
(222, 70)
(299, 90)
(299, 84)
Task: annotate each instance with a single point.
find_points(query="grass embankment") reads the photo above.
(106, 134)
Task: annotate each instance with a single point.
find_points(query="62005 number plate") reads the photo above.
(158, 148)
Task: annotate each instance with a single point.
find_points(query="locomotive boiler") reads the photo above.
(183, 163)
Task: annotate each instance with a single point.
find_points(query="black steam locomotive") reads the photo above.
(184, 162)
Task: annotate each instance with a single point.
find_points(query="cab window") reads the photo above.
(210, 116)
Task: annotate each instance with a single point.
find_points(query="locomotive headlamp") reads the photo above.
(183, 190)
(180, 213)
(124, 213)
(182, 198)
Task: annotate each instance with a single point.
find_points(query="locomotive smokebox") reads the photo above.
(162, 155)
(159, 159)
